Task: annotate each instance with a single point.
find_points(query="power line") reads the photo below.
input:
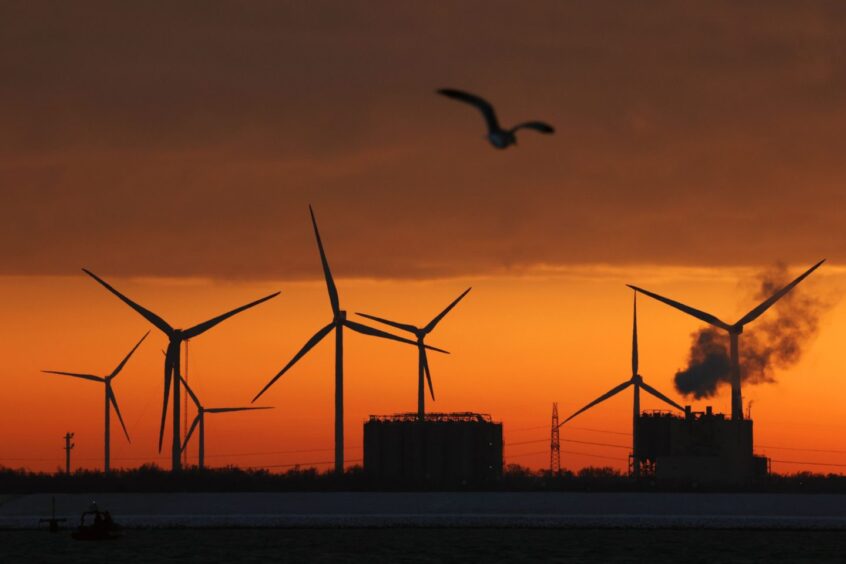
(594, 455)
(804, 449)
(537, 452)
(600, 431)
(569, 441)
(537, 427)
(808, 463)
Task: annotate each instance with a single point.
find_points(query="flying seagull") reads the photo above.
(498, 137)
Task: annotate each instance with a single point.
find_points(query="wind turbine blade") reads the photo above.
(230, 409)
(373, 332)
(75, 375)
(601, 399)
(706, 317)
(441, 315)
(307, 347)
(126, 358)
(755, 313)
(428, 375)
(402, 326)
(330, 282)
(191, 393)
(113, 400)
(634, 339)
(169, 367)
(206, 325)
(160, 323)
(660, 396)
(190, 431)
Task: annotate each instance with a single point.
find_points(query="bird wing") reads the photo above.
(481, 104)
(536, 125)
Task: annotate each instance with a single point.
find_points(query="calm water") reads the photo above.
(430, 545)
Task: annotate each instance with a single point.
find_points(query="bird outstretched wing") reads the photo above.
(482, 105)
(536, 125)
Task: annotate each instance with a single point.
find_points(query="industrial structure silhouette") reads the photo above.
(466, 448)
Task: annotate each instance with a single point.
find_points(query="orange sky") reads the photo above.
(173, 150)
(517, 343)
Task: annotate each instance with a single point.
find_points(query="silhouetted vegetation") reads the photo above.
(515, 478)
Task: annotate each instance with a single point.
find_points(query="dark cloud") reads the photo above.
(187, 138)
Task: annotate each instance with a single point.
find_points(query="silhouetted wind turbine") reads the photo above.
(172, 357)
(200, 420)
(636, 381)
(734, 331)
(110, 400)
(339, 321)
(498, 137)
(423, 361)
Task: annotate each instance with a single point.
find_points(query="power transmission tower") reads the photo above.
(554, 443)
(68, 447)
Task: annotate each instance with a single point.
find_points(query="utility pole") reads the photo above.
(68, 447)
(554, 443)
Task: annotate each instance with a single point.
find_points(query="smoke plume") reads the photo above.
(773, 341)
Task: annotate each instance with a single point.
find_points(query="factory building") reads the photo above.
(442, 450)
(697, 447)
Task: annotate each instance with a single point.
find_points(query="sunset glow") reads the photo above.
(175, 153)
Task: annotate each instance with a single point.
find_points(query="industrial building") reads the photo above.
(697, 447)
(441, 450)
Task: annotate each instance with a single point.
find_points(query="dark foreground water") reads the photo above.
(430, 545)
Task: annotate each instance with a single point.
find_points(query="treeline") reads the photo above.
(515, 478)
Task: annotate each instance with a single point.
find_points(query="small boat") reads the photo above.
(96, 525)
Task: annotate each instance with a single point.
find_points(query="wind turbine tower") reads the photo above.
(200, 421)
(422, 359)
(338, 323)
(110, 400)
(636, 381)
(734, 331)
(172, 368)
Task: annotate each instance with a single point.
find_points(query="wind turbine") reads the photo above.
(200, 420)
(339, 321)
(637, 382)
(423, 361)
(172, 358)
(111, 400)
(734, 331)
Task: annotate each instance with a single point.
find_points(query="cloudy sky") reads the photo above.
(186, 140)
(173, 148)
